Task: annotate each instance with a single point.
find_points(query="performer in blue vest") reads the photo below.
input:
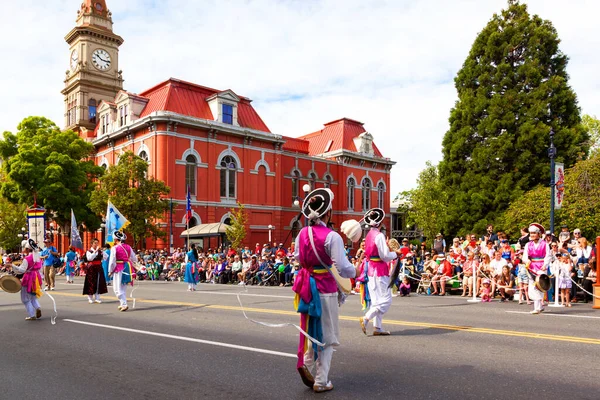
(191, 269)
(70, 262)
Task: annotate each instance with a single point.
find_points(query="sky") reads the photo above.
(387, 63)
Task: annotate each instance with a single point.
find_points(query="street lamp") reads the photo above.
(552, 156)
(270, 228)
(306, 189)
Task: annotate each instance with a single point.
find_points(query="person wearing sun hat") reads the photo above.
(377, 259)
(318, 248)
(120, 267)
(536, 255)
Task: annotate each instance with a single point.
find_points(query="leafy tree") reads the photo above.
(52, 166)
(580, 208)
(428, 202)
(236, 232)
(12, 218)
(592, 127)
(139, 198)
(512, 90)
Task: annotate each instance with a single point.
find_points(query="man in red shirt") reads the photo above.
(405, 248)
(444, 273)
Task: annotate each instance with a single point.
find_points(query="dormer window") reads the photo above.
(123, 115)
(224, 107)
(228, 114)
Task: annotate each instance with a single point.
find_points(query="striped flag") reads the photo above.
(188, 207)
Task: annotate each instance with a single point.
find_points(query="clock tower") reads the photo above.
(93, 73)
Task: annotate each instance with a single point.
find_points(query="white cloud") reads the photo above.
(387, 63)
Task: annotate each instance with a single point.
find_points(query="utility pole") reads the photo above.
(170, 224)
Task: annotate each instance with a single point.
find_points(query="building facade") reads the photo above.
(215, 143)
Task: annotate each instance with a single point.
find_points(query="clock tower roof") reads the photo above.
(94, 13)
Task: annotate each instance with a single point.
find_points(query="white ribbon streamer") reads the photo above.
(53, 319)
(267, 324)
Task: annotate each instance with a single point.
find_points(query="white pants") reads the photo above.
(381, 299)
(30, 301)
(329, 322)
(536, 295)
(120, 289)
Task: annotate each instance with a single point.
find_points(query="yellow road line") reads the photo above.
(531, 335)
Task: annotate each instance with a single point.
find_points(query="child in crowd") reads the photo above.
(563, 267)
(486, 291)
(523, 281)
(404, 288)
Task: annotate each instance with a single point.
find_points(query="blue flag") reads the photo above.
(75, 237)
(115, 221)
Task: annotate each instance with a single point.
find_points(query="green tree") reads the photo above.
(12, 218)
(139, 198)
(592, 127)
(512, 90)
(580, 208)
(52, 166)
(236, 232)
(428, 202)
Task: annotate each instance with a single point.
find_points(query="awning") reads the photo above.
(205, 230)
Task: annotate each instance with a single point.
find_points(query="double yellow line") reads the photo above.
(472, 329)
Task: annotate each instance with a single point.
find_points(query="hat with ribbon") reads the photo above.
(535, 227)
(317, 203)
(374, 217)
(118, 235)
(32, 245)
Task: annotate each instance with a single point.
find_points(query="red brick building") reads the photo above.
(215, 142)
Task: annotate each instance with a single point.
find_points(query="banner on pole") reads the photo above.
(559, 181)
(36, 224)
(75, 237)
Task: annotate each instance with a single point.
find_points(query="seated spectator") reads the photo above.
(443, 274)
(506, 284)
(248, 274)
(470, 267)
(142, 272)
(281, 270)
(236, 266)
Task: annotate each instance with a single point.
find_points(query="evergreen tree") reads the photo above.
(512, 89)
(236, 232)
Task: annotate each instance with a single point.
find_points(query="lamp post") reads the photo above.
(270, 228)
(552, 156)
(306, 189)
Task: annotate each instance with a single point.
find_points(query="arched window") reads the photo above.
(366, 194)
(228, 173)
(295, 184)
(193, 222)
(227, 221)
(92, 110)
(144, 156)
(296, 227)
(328, 181)
(351, 187)
(380, 195)
(312, 180)
(190, 174)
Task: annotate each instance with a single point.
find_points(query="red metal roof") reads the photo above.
(341, 132)
(295, 145)
(190, 99)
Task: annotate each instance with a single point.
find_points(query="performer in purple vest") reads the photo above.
(537, 254)
(318, 248)
(120, 267)
(377, 259)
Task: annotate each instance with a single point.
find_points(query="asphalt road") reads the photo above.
(181, 345)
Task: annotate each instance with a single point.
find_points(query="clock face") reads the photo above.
(74, 59)
(101, 59)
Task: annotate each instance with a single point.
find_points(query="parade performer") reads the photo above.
(377, 259)
(317, 248)
(191, 269)
(105, 257)
(94, 284)
(362, 278)
(70, 259)
(31, 281)
(536, 255)
(120, 267)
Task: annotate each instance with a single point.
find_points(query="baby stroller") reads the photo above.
(424, 286)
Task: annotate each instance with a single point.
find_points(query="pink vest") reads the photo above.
(32, 275)
(536, 253)
(308, 259)
(122, 252)
(377, 267)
